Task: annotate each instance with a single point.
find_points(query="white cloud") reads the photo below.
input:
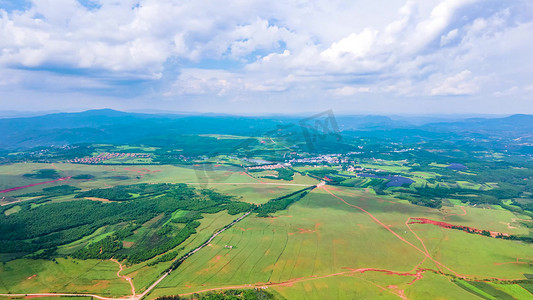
(350, 90)
(354, 46)
(257, 48)
(460, 84)
(449, 37)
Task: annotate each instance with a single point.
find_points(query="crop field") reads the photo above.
(105, 176)
(336, 242)
(303, 253)
(65, 276)
(144, 274)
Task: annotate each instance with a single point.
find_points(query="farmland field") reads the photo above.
(258, 217)
(303, 252)
(334, 241)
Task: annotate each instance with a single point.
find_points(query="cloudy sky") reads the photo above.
(253, 56)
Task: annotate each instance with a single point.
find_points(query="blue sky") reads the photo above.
(378, 57)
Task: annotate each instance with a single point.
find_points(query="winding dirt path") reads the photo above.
(416, 272)
(425, 251)
(128, 279)
(291, 282)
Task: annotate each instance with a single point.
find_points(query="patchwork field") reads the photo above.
(335, 242)
(322, 247)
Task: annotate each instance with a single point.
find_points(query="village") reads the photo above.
(106, 156)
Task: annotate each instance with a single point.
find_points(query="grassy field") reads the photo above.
(352, 244)
(65, 276)
(306, 241)
(317, 248)
(144, 275)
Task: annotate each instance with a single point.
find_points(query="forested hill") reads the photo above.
(110, 126)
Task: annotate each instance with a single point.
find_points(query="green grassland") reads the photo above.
(315, 249)
(144, 274)
(65, 276)
(304, 252)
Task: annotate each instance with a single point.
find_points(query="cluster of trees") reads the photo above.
(145, 254)
(54, 224)
(43, 174)
(188, 217)
(124, 192)
(112, 194)
(245, 294)
(320, 173)
(83, 176)
(281, 203)
(107, 247)
(166, 257)
(103, 249)
(525, 239)
(58, 190)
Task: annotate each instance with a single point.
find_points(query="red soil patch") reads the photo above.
(137, 171)
(127, 244)
(97, 199)
(361, 226)
(391, 231)
(302, 230)
(34, 184)
(451, 226)
(463, 214)
(216, 166)
(419, 274)
(332, 188)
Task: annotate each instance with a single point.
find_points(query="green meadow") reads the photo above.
(63, 276)
(312, 251)
(352, 244)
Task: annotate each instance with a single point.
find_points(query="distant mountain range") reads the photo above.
(111, 126)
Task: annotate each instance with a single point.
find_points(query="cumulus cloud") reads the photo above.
(257, 48)
(350, 90)
(460, 84)
(449, 37)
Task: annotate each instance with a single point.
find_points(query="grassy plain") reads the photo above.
(321, 247)
(65, 276)
(318, 247)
